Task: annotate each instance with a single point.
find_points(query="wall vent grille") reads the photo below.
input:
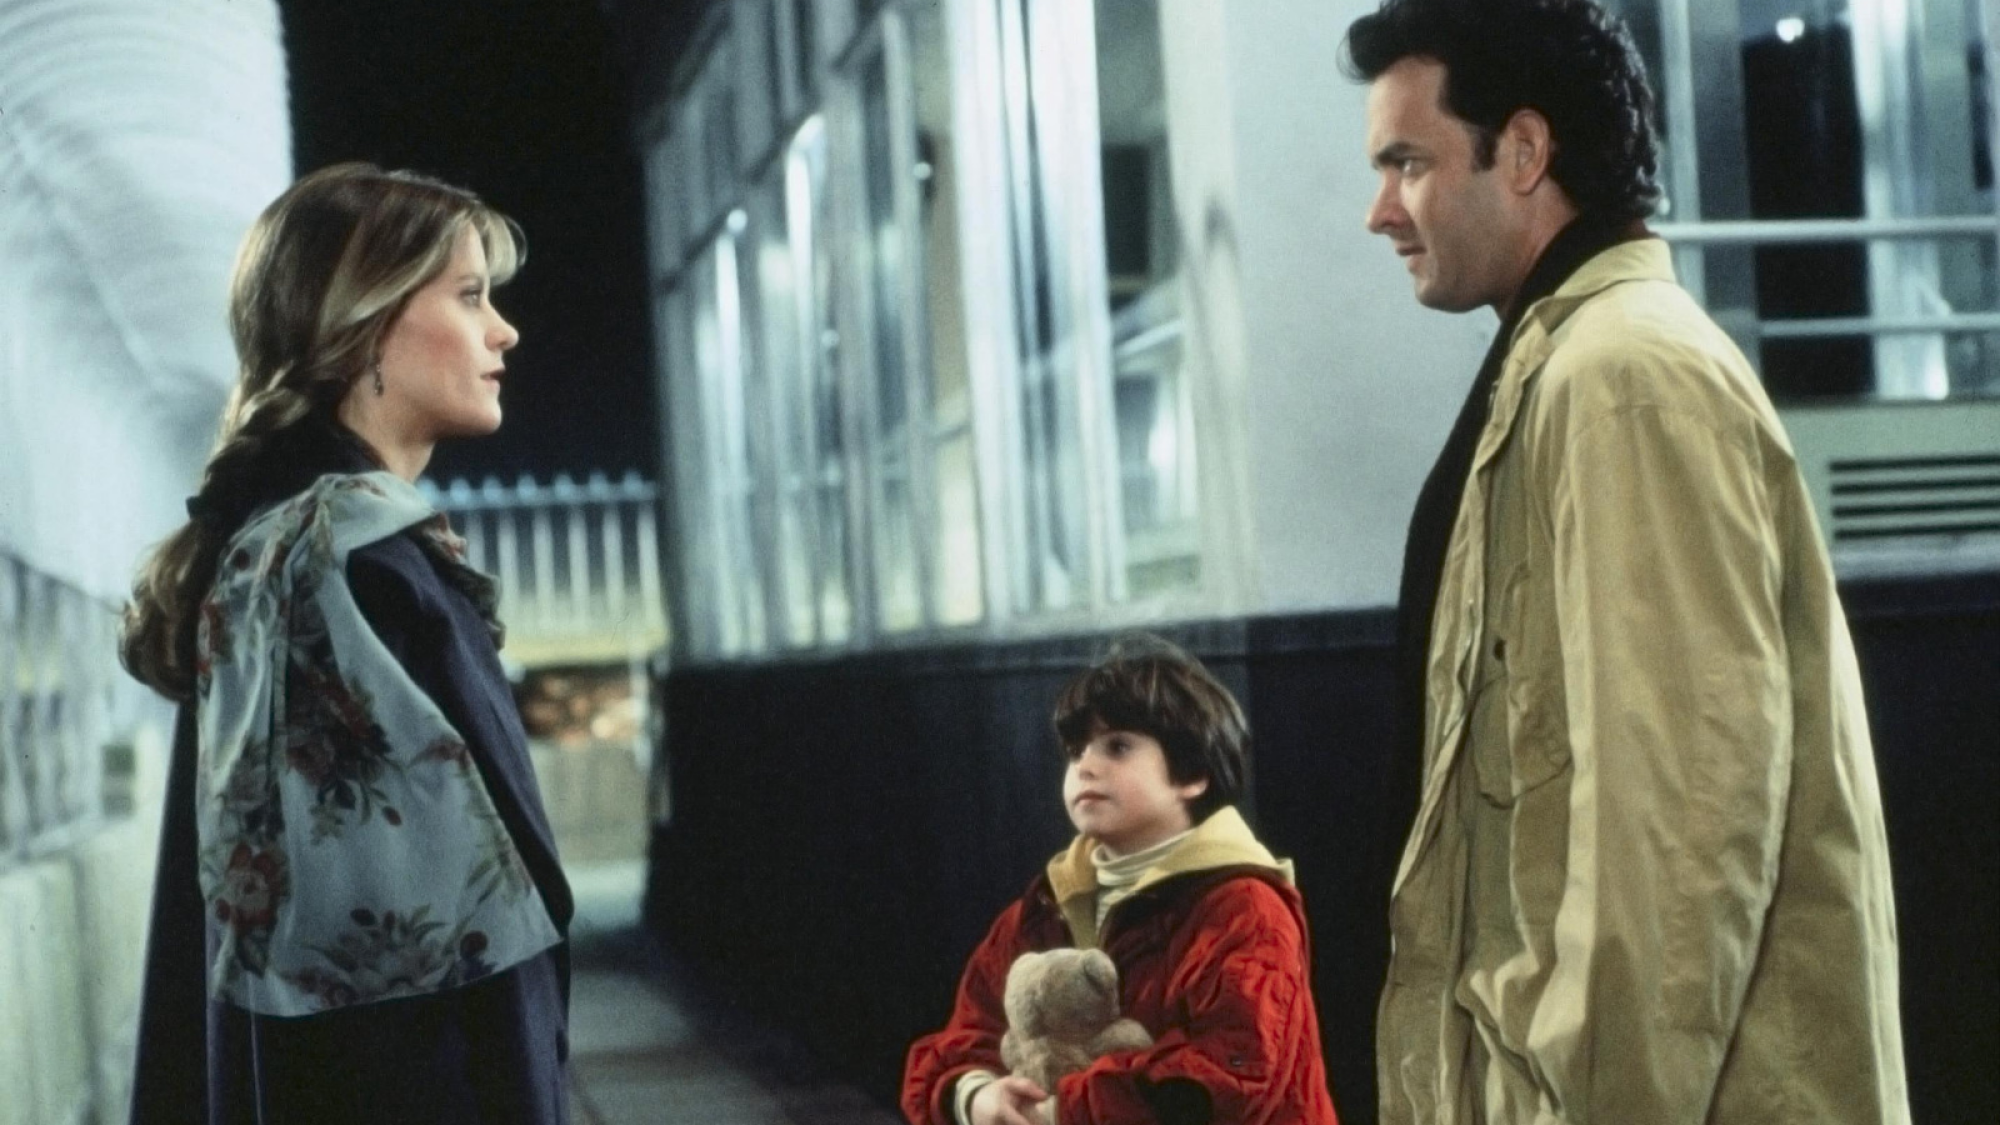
(1887, 498)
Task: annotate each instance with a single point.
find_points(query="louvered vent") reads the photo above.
(1888, 498)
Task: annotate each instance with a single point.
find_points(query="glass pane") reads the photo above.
(1154, 418)
(720, 125)
(728, 476)
(1831, 109)
(961, 595)
(902, 605)
(809, 209)
(703, 489)
(770, 65)
(665, 204)
(693, 540)
(783, 322)
(756, 507)
(884, 248)
(957, 559)
(805, 50)
(1054, 541)
(886, 263)
(1802, 125)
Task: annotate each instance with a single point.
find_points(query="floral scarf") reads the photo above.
(350, 851)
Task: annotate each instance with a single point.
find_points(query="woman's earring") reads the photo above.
(378, 378)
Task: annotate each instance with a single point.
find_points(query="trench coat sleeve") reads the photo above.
(970, 1040)
(1245, 1049)
(1668, 593)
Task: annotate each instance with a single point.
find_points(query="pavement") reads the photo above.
(648, 1043)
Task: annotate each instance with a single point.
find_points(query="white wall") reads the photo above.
(138, 139)
(1346, 386)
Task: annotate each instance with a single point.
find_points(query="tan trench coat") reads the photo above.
(1648, 880)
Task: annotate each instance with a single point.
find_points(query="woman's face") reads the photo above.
(441, 359)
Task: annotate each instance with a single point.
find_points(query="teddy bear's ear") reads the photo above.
(1099, 971)
(1023, 966)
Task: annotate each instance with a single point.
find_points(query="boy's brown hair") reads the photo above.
(1150, 686)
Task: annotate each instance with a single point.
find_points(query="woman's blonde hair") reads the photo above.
(321, 276)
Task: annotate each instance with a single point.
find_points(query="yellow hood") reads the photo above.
(1223, 840)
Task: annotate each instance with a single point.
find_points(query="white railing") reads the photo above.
(82, 764)
(60, 688)
(578, 565)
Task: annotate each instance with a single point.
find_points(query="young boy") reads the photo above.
(1207, 931)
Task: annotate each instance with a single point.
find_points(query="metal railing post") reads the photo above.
(13, 754)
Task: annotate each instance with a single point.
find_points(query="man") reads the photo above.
(1648, 879)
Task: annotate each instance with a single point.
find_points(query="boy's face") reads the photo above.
(1118, 792)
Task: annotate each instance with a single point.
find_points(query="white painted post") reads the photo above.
(575, 515)
(13, 793)
(509, 570)
(646, 531)
(544, 547)
(613, 534)
(471, 525)
(42, 741)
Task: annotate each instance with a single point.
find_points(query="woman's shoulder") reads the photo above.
(394, 577)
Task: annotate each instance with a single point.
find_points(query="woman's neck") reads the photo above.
(405, 456)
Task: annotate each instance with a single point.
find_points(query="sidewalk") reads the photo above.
(646, 1047)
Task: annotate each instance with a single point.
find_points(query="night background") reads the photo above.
(524, 102)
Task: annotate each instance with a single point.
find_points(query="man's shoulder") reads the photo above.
(1642, 320)
(1647, 343)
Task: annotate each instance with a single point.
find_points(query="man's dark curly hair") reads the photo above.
(1568, 60)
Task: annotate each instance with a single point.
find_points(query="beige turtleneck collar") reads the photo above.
(1118, 875)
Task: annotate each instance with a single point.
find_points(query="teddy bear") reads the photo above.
(1062, 1012)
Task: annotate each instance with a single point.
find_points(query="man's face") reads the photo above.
(1452, 222)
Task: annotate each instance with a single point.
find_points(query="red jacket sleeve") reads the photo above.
(971, 1040)
(1245, 1045)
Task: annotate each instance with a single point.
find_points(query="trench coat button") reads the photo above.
(1236, 1062)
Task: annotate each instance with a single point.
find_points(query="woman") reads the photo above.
(359, 915)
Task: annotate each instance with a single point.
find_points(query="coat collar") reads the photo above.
(1639, 259)
(1223, 840)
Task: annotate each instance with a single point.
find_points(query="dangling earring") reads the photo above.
(378, 378)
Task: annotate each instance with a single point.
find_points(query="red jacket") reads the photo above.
(1213, 960)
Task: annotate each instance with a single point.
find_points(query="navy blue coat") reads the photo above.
(492, 1051)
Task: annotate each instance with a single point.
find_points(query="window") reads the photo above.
(1047, 150)
(726, 482)
(955, 543)
(809, 211)
(1153, 411)
(807, 516)
(802, 29)
(1830, 188)
(760, 88)
(924, 526)
(881, 246)
(915, 383)
(666, 199)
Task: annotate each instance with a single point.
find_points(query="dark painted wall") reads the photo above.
(844, 830)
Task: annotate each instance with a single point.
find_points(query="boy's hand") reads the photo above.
(1012, 1100)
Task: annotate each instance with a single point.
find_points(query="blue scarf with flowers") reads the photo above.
(349, 849)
